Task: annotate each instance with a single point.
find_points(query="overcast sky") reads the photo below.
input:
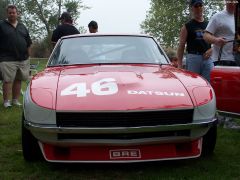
(114, 16)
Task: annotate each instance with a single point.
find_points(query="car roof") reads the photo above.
(102, 34)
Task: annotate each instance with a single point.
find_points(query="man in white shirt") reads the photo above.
(221, 31)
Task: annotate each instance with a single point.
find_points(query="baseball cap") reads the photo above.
(194, 2)
(65, 16)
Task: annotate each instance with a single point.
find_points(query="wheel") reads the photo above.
(30, 147)
(209, 141)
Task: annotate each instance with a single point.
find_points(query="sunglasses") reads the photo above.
(198, 5)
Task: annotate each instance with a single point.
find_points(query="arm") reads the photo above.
(211, 39)
(181, 46)
(207, 54)
(29, 43)
(55, 36)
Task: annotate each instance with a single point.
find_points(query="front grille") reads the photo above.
(126, 136)
(124, 119)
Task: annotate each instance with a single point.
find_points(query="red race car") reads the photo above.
(116, 98)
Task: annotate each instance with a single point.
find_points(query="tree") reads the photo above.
(165, 18)
(3, 5)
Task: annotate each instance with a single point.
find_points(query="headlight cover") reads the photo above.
(205, 104)
(37, 114)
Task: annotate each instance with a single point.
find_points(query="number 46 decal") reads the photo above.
(107, 86)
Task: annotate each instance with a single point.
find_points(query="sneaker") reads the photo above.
(16, 102)
(7, 103)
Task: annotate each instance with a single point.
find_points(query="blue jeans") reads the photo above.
(199, 65)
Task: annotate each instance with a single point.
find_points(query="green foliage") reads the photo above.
(165, 18)
(41, 49)
(3, 5)
(82, 30)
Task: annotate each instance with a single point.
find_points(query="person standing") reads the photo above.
(93, 27)
(14, 53)
(198, 50)
(66, 28)
(221, 31)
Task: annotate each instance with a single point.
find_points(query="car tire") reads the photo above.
(209, 141)
(30, 148)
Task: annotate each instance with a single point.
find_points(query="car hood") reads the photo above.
(119, 87)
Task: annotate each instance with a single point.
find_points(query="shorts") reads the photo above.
(15, 70)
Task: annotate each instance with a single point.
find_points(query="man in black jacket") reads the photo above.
(15, 45)
(66, 28)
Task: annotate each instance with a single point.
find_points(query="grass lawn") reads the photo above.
(224, 164)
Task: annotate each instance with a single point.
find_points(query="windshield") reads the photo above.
(107, 49)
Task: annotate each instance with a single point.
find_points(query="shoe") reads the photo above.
(7, 103)
(16, 102)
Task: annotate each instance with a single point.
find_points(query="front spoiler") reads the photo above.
(121, 154)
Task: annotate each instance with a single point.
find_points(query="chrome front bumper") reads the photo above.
(49, 133)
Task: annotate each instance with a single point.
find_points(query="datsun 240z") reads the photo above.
(116, 98)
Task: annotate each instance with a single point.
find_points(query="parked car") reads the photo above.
(116, 98)
(225, 79)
